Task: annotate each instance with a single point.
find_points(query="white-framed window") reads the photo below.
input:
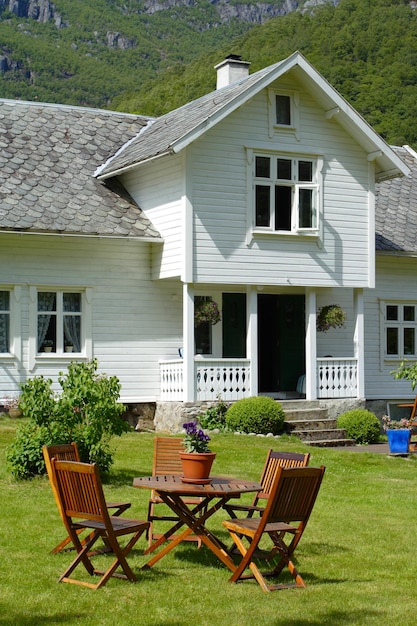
(59, 321)
(400, 330)
(283, 109)
(286, 193)
(5, 322)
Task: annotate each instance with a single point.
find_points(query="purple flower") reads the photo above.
(195, 438)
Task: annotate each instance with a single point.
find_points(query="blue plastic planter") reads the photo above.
(398, 440)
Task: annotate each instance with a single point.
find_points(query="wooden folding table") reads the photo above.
(214, 495)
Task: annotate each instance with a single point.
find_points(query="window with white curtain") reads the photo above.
(59, 321)
(4, 321)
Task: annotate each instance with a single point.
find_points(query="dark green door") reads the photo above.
(234, 325)
(281, 342)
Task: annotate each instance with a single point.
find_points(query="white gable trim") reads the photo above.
(390, 164)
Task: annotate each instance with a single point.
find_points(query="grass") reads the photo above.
(357, 555)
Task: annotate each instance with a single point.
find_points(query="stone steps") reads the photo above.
(310, 422)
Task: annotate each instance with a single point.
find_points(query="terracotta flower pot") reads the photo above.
(196, 466)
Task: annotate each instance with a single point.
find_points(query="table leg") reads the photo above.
(194, 524)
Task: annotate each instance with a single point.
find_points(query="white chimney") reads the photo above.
(230, 70)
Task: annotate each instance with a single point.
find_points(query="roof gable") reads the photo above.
(48, 156)
(177, 129)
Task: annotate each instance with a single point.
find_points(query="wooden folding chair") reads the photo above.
(69, 452)
(82, 503)
(291, 500)
(273, 460)
(166, 460)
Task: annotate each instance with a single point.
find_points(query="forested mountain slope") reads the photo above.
(367, 49)
(88, 51)
(150, 56)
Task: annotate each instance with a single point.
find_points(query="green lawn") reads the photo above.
(357, 555)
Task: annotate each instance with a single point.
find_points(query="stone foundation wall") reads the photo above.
(170, 416)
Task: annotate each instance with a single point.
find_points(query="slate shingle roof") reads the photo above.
(396, 209)
(48, 156)
(160, 135)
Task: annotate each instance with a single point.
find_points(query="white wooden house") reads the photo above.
(259, 196)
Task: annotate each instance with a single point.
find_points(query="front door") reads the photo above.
(281, 342)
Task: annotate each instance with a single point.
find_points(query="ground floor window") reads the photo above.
(400, 329)
(4, 321)
(59, 321)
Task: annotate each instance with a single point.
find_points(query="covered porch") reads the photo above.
(208, 377)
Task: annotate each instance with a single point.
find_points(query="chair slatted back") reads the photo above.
(274, 460)
(166, 458)
(80, 490)
(61, 452)
(293, 494)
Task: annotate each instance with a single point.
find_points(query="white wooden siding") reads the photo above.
(219, 197)
(158, 188)
(396, 280)
(135, 321)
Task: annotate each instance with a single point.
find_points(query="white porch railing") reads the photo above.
(171, 380)
(228, 379)
(337, 378)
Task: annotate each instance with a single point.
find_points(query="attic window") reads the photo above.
(283, 110)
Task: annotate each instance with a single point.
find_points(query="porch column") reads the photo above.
(188, 334)
(311, 345)
(252, 337)
(359, 340)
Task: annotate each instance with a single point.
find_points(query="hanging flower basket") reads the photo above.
(330, 316)
(207, 311)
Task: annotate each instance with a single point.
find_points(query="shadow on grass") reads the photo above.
(121, 477)
(41, 620)
(335, 618)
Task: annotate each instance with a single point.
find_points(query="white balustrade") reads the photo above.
(171, 380)
(228, 379)
(337, 378)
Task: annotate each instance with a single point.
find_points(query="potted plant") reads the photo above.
(197, 458)
(398, 433)
(11, 406)
(330, 316)
(68, 346)
(48, 345)
(206, 311)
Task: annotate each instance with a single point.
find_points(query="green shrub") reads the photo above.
(360, 425)
(258, 414)
(214, 417)
(86, 411)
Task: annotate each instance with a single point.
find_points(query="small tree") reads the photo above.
(86, 411)
(407, 372)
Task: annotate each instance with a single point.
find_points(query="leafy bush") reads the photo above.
(214, 417)
(86, 411)
(258, 414)
(360, 425)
